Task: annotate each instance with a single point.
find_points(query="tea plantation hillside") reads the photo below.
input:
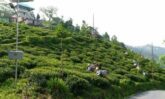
(55, 65)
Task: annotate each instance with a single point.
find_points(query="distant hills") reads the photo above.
(147, 52)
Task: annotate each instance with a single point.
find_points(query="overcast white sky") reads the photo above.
(134, 22)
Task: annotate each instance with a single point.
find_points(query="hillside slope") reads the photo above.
(56, 70)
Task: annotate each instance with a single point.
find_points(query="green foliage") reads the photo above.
(61, 31)
(162, 61)
(42, 66)
(106, 37)
(29, 63)
(136, 77)
(126, 83)
(57, 87)
(120, 71)
(6, 73)
(159, 77)
(114, 38)
(49, 12)
(100, 82)
(77, 85)
(39, 79)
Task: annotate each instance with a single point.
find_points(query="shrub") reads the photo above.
(126, 82)
(158, 77)
(114, 80)
(57, 87)
(76, 84)
(75, 59)
(99, 82)
(39, 79)
(3, 53)
(121, 71)
(136, 78)
(6, 73)
(29, 63)
(35, 40)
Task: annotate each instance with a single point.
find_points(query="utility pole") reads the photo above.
(95, 37)
(93, 34)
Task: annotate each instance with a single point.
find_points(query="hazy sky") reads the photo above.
(134, 22)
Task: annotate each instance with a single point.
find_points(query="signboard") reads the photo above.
(15, 55)
(21, 0)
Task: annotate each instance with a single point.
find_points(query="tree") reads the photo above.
(84, 25)
(69, 25)
(162, 61)
(56, 21)
(85, 29)
(61, 33)
(5, 11)
(77, 28)
(49, 12)
(114, 38)
(38, 17)
(106, 36)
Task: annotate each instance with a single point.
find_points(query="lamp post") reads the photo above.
(16, 54)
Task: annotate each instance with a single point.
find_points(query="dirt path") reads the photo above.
(155, 94)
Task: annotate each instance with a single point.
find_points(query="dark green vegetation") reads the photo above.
(55, 62)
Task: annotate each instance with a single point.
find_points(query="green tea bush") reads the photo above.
(28, 63)
(158, 77)
(57, 87)
(6, 73)
(35, 40)
(136, 78)
(99, 82)
(77, 85)
(114, 81)
(126, 82)
(51, 39)
(39, 79)
(3, 53)
(120, 71)
(75, 59)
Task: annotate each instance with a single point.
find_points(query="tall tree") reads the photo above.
(114, 38)
(85, 29)
(38, 17)
(49, 12)
(56, 21)
(62, 33)
(69, 25)
(162, 61)
(106, 36)
(77, 28)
